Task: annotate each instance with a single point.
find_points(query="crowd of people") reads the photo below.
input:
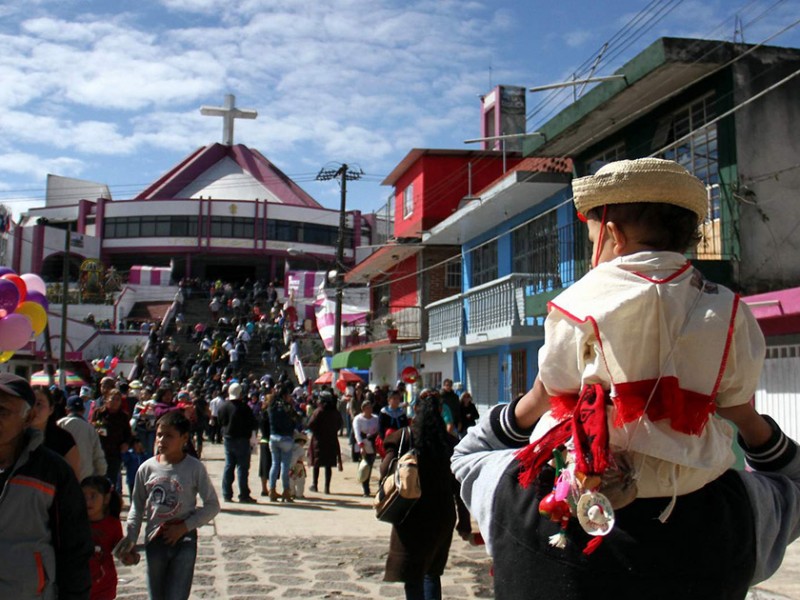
(143, 438)
(574, 498)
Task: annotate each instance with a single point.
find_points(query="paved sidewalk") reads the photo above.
(333, 547)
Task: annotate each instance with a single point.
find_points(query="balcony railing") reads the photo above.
(372, 328)
(497, 304)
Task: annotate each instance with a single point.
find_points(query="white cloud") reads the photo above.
(573, 39)
(348, 80)
(22, 163)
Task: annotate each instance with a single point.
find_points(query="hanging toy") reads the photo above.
(596, 516)
(558, 511)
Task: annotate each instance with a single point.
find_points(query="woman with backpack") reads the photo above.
(420, 544)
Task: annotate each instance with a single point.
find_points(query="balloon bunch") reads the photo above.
(105, 365)
(23, 310)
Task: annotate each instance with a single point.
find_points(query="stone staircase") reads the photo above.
(195, 310)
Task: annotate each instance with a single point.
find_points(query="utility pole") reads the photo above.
(344, 174)
(62, 358)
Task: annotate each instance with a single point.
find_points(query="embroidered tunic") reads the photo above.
(645, 318)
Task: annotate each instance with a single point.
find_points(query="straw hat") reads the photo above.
(641, 180)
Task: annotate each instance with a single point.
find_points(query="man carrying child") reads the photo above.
(626, 489)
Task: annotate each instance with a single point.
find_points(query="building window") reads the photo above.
(484, 263)
(286, 231)
(432, 379)
(452, 274)
(232, 227)
(162, 226)
(692, 144)
(408, 200)
(614, 153)
(535, 247)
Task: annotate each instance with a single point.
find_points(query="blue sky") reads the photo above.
(110, 91)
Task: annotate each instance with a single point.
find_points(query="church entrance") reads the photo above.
(231, 273)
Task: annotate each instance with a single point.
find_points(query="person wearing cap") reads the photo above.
(86, 395)
(626, 489)
(238, 424)
(45, 528)
(92, 459)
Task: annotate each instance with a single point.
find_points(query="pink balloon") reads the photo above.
(15, 332)
(34, 283)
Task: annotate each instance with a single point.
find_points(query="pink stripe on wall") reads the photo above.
(309, 289)
(329, 318)
(155, 277)
(135, 276)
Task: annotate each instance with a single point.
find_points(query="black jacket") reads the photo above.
(237, 419)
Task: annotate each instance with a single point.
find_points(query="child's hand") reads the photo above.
(754, 429)
(532, 405)
(129, 558)
(173, 531)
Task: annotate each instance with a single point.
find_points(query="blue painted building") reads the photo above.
(516, 240)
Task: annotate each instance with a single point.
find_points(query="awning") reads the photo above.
(778, 313)
(381, 261)
(352, 359)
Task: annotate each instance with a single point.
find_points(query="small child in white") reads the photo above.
(297, 474)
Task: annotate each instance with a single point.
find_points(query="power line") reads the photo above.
(569, 200)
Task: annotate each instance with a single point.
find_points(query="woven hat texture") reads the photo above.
(641, 180)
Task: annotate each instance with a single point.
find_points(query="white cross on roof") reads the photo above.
(228, 112)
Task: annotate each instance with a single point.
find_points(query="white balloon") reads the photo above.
(34, 283)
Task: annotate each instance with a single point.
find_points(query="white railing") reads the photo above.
(499, 303)
(446, 318)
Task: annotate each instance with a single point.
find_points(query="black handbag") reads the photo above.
(400, 489)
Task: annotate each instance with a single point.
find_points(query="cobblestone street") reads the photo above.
(331, 546)
(273, 567)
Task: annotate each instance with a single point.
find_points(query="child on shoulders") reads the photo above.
(641, 358)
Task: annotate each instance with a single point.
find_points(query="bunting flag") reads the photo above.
(355, 306)
(305, 285)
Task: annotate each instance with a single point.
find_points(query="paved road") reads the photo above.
(332, 547)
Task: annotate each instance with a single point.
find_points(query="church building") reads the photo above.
(223, 212)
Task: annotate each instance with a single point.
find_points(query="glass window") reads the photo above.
(698, 152)
(243, 228)
(484, 263)
(286, 231)
(535, 247)
(180, 226)
(616, 152)
(408, 200)
(148, 227)
(134, 227)
(452, 274)
(162, 226)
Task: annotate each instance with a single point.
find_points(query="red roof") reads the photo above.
(198, 162)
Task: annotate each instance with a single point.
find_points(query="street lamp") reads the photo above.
(62, 358)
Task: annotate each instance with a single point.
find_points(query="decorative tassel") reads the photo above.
(559, 540)
(534, 456)
(593, 545)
